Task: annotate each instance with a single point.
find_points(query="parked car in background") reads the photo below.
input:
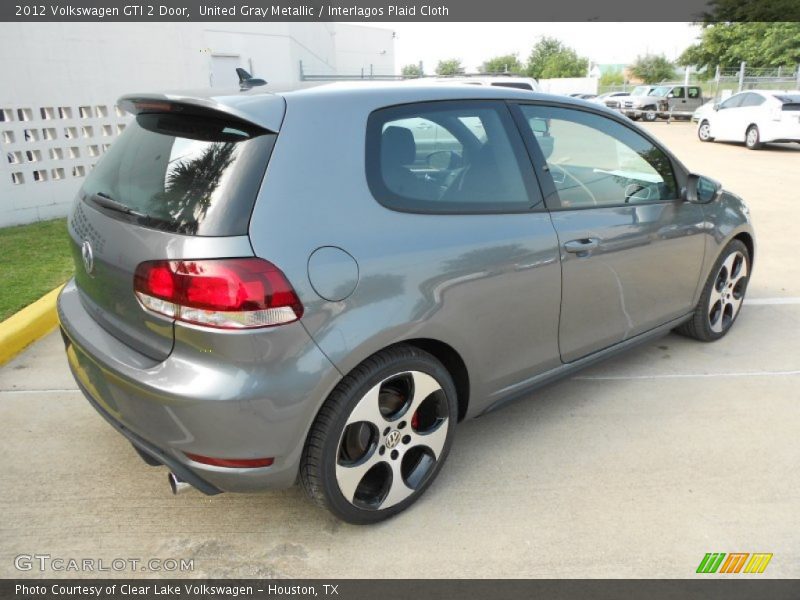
(665, 101)
(703, 110)
(625, 104)
(248, 326)
(583, 96)
(509, 81)
(609, 99)
(754, 117)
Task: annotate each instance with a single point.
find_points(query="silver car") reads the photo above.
(319, 285)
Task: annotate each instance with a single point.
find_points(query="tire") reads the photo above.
(752, 138)
(381, 437)
(650, 115)
(722, 297)
(704, 132)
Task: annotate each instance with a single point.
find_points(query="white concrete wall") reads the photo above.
(47, 66)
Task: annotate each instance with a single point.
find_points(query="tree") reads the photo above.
(508, 63)
(612, 78)
(411, 72)
(550, 58)
(652, 68)
(750, 11)
(450, 66)
(761, 45)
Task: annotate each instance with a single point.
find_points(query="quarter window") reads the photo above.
(448, 157)
(595, 161)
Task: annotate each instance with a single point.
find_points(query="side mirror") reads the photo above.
(716, 107)
(670, 95)
(547, 144)
(701, 190)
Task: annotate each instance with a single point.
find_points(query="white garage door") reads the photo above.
(223, 72)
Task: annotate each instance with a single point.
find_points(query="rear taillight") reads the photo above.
(234, 293)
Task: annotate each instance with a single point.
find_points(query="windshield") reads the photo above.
(641, 90)
(661, 91)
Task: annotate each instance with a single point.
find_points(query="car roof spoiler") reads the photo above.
(258, 108)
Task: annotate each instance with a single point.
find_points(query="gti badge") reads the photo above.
(88, 257)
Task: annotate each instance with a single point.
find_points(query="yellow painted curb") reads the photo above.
(28, 325)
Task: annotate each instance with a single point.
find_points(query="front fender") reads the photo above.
(726, 218)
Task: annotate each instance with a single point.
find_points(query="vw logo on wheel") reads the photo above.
(88, 257)
(392, 439)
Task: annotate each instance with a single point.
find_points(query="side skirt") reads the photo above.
(521, 390)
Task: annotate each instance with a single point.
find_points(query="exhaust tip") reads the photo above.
(177, 485)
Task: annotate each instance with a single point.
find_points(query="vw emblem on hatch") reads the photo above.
(392, 439)
(88, 257)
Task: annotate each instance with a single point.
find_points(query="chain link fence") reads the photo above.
(727, 81)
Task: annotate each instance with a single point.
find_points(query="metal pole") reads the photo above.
(716, 83)
(741, 76)
(302, 75)
(686, 75)
(798, 76)
(421, 72)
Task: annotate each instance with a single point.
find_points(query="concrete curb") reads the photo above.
(28, 325)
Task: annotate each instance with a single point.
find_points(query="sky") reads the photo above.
(603, 43)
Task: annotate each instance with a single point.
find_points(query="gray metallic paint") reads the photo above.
(488, 286)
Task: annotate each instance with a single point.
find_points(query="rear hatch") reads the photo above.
(179, 183)
(790, 108)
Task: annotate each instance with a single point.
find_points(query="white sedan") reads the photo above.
(753, 117)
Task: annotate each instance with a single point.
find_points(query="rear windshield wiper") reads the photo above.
(108, 202)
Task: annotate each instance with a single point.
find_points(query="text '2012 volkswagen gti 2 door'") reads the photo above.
(318, 285)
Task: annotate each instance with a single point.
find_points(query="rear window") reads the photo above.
(789, 101)
(185, 174)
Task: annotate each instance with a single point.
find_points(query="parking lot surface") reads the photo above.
(636, 467)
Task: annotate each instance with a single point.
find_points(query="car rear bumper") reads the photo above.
(777, 131)
(253, 397)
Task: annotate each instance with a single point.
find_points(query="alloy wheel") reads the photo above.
(727, 292)
(704, 132)
(392, 440)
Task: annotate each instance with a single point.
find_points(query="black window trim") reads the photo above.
(380, 192)
(549, 191)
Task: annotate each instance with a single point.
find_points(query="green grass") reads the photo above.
(34, 259)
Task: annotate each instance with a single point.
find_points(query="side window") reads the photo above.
(732, 102)
(449, 157)
(752, 100)
(694, 92)
(595, 161)
(677, 92)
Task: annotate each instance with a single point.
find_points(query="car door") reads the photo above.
(631, 249)
(676, 99)
(725, 117)
(749, 111)
(694, 99)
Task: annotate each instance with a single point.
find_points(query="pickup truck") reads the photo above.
(665, 101)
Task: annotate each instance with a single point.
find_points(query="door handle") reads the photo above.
(582, 246)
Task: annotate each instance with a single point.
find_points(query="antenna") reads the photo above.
(247, 81)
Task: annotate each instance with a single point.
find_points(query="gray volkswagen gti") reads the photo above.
(318, 285)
